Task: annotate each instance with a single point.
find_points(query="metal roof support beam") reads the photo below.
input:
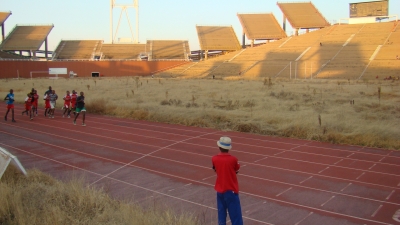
(45, 48)
(2, 32)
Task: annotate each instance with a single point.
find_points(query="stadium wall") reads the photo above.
(10, 69)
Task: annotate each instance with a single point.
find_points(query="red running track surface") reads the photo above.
(282, 180)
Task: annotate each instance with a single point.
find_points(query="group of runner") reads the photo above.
(72, 103)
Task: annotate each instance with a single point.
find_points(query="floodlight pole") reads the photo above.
(124, 8)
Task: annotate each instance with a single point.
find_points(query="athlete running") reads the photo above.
(67, 104)
(80, 107)
(10, 105)
(74, 96)
(28, 106)
(53, 98)
(35, 103)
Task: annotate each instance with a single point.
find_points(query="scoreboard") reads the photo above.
(369, 9)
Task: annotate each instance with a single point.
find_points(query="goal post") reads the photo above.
(32, 72)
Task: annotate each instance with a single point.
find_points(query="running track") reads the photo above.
(282, 180)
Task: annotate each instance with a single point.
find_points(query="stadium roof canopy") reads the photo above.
(303, 15)
(122, 51)
(4, 16)
(26, 38)
(217, 38)
(261, 26)
(77, 49)
(168, 49)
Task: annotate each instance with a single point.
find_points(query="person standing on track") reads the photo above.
(67, 104)
(80, 107)
(53, 98)
(10, 105)
(226, 166)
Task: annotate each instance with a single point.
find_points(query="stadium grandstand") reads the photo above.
(167, 50)
(260, 27)
(222, 38)
(3, 18)
(27, 39)
(358, 51)
(78, 50)
(122, 51)
(302, 15)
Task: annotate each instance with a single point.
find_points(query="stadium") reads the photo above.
(311, 106)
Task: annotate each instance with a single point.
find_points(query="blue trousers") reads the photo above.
(229, 201)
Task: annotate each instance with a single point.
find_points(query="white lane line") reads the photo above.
(354, 196)
(376, 211)
(171, 190)
(196, 181)
(134, 185)
(284, 191)
(306, 180)
(280, 152)
(338, 162)
(304, 218)
(360, 176)
(208, 177)
(382, 159)
(345, 187)
(390, 195)
(213, 147)
(323, 170)
(327, 201)
(166, 127)
(350, 155)
(148, 154)
(187, 184)
(261, 159)
(237, 151)
(372, 166)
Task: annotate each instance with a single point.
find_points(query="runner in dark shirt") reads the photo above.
(80, 107)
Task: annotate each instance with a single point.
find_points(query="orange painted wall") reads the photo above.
(8, 69)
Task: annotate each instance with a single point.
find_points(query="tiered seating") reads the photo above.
(352, 60)
(339, 51)
(217, 38)
(26, 38)
(168, 49)
(261, 26)
(122, 51)
(277, 62)
(303, 15)
(77, 49)
(385, 63)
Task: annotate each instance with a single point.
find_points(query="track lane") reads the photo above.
(163, 159)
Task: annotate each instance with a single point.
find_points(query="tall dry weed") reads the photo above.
(40, 199)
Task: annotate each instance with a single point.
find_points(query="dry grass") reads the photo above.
(40, 199)
(307, 109)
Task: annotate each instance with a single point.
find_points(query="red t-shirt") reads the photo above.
(226, 167)
(73, 99)
(67, 99)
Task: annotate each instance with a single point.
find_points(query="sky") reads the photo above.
(158, 19)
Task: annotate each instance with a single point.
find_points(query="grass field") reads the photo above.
(40, 199)
(316, 109)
